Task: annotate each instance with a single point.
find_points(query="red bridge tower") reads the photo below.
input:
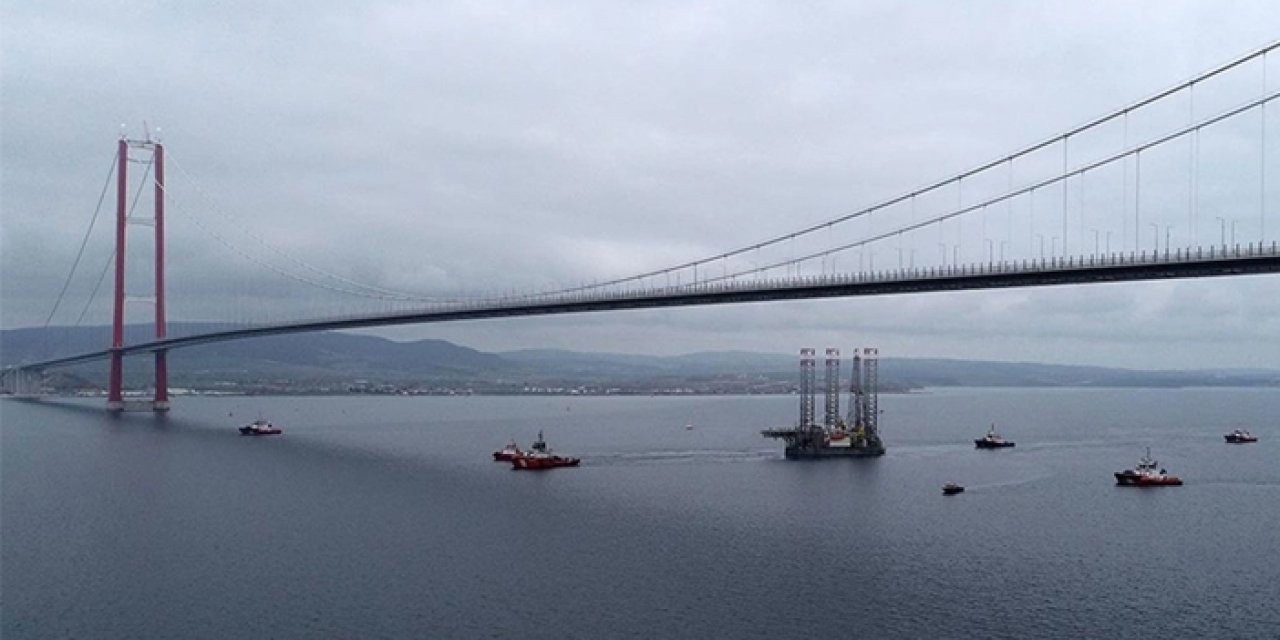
(115, 389)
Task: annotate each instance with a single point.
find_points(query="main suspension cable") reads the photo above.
(383, 293)
(1080, 170)
(1061, 137)
(111, 170)
(102, 276)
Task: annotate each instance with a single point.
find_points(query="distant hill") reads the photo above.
(332, 361)
(312, 357)
(903, 372)
(629, 365)
(947, 373)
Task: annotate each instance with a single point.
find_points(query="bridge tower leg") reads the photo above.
(161, 401)
(115, 384)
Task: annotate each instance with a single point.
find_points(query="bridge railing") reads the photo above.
(1179, 255)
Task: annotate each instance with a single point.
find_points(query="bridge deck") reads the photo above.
(1092, 270)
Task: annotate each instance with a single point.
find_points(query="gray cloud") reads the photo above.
(476, 148)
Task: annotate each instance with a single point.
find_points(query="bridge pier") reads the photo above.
(161, 400)
(20, 383)
(115, 381)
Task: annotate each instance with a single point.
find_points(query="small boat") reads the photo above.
(992, 440)
(1240, 436)
(1146, 475)
(507, 453)
(951, 488)
(259, 427)
(540, 457)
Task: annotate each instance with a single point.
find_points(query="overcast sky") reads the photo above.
(479, 147)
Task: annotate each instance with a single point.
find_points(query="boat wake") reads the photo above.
(1011, 483)
(678, 457)
(1264, 483)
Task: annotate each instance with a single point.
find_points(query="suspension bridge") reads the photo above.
(1175, 185)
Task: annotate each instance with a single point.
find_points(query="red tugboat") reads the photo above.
(992, 440)
(540, 457)
(1240, 436)
(1145, 475)
(508, 453)
(260, 427)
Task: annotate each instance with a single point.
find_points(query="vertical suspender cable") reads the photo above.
(1065, 140)
(1137, 201)
(1008, 230)
(1124, 182)
(1031, 228)
(1191, 165)
(959, 220)
(1082, 213)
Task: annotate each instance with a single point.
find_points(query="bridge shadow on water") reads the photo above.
(219, 439)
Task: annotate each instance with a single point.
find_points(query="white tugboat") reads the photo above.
(260, 427)
(508, 453)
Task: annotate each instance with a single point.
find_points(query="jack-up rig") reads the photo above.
(858, 436)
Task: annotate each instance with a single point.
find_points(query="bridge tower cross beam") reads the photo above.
(115, 384)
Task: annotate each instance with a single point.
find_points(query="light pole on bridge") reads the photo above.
(1041, 237)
